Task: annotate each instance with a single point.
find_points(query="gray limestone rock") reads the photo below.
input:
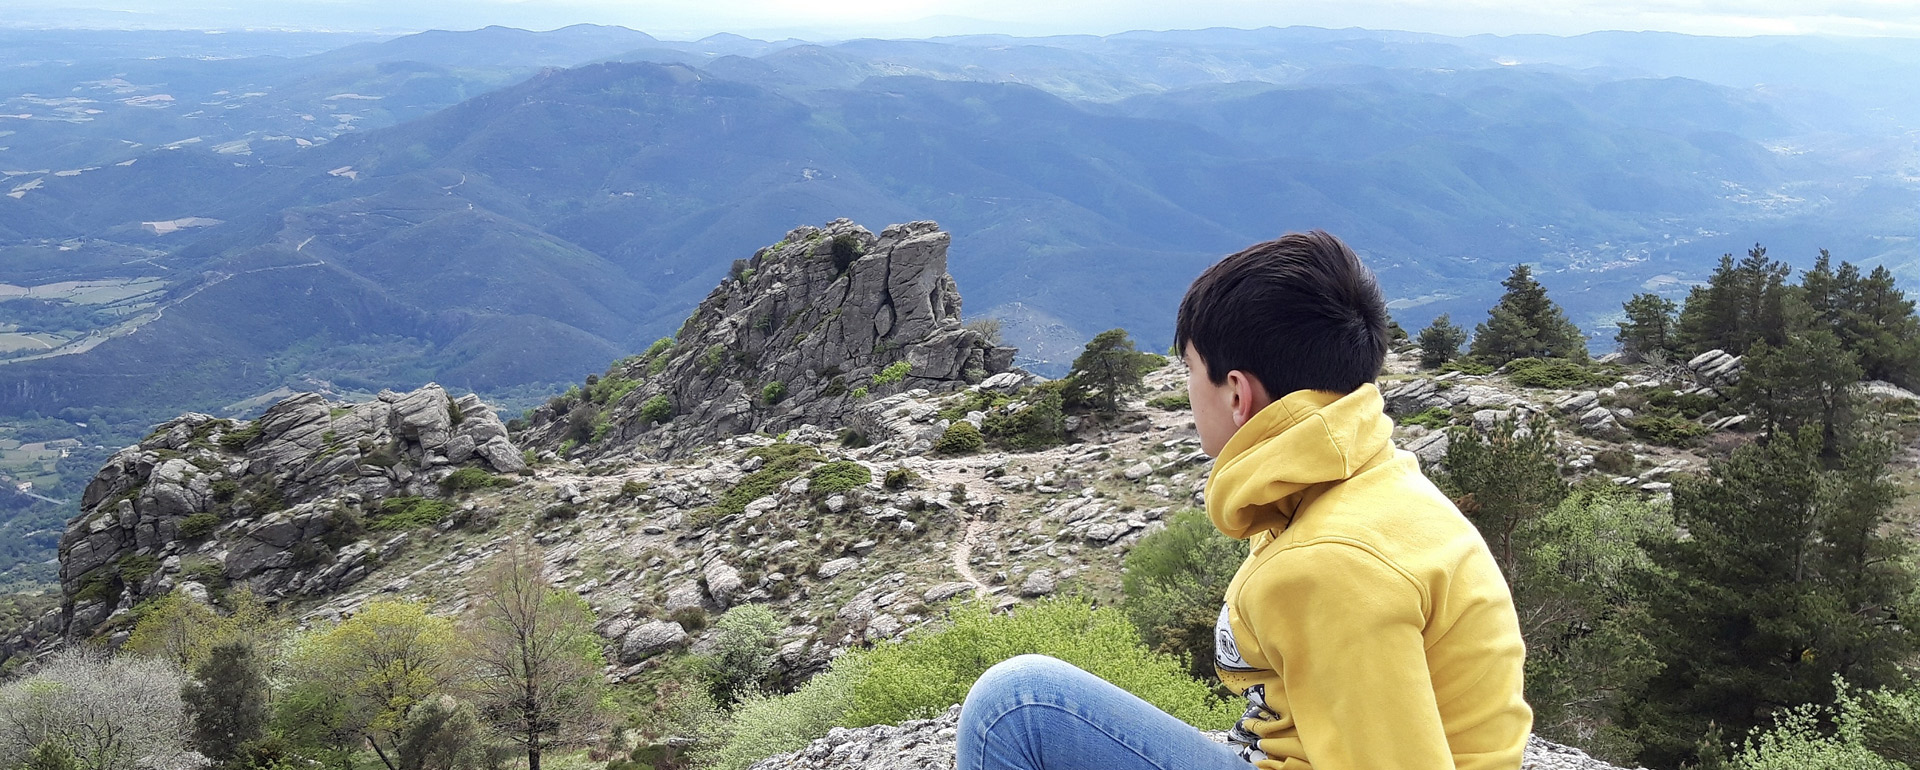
(649, 639)
(838, 316)
(282, 484)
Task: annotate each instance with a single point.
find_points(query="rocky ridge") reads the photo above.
(925, 744)
(799, 334)
(287, 505)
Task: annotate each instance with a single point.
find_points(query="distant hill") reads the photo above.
(515, 223)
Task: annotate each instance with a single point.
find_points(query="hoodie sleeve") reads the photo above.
(1343, 629)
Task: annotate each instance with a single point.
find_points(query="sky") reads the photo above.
(839, 19)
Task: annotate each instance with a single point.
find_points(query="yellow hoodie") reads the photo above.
(1369, 627)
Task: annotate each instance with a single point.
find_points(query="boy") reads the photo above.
(1369, 627)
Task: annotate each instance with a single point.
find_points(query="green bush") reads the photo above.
(899, 478)
(1172, 402)
(1666, 430)
(610, 389)
(656, 409)
(1466, 366)
(894, 372)
(933, 669)
(1173, 581)
(743, 652)
(782, 463)
(468, 479)
(1552, 373)
(1801, 739)
(715, 355)
(960, 438)
(764, 725)
(690, 618)
(836, 477)
(773, 392)
(1433, 417)
(399, 514)
(198, 525)
(237, 440)
(1040, 424)
(1690, 406)
(858, 393)
(659, 346)
(135, 569)
(1617, 462)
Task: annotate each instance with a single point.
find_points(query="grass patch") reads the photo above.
(400, 514)
(1433, 417)
(782, 462)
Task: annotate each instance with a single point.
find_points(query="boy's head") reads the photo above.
(1298, 313)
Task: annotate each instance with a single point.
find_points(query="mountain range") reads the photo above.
(501, 210)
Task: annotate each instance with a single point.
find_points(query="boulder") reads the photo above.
(649, 639)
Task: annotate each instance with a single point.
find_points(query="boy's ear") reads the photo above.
(1249, 396)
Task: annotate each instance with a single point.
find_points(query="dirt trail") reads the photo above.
(963, 555)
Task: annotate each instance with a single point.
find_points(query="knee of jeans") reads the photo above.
(1025, 671)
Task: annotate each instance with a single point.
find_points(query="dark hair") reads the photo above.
(1298, 313)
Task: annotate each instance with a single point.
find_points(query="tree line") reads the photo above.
(521, 672)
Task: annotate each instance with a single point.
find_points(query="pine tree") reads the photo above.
(1805, 383)
(1527, 324)
(1870, 316)
(1649, 328)
(228, 700)
(1440, 342)
(1788, 577)
(1107, 371)
(1742, 303)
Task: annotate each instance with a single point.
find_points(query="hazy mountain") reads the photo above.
(461, 207)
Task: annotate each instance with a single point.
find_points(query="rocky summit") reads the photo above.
(291, 503)
(800, 333)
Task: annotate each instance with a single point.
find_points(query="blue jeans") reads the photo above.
(1037, 713)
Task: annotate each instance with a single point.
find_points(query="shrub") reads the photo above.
(835, 387)
(1433, 417)
(468, 479)
(1552, 373)
(894, 372)
(845, 249)
(1616, 462)
(1466, 366)
(1040, 424)
(398, 514)
(198, 525)
(1172, 580)
(743, 653)
(764, 725)
(1799, 738)
(934, 668)
(656, 409)
(659, 346)
(237, 440)
(920, 677)
(858, 393)
(960, 438)
(715, 355)
(899, 478)
(1666, 430)
(773, 392)
(690, 618)
(782, 462)
(135, 569)
(1172, 402)
(836, 477)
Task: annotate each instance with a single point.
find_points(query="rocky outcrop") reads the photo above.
(280, 504)
(927, 744)
(807, 331)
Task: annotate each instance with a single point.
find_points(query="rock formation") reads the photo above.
(927, 744)
(807, 331)
(281, 505)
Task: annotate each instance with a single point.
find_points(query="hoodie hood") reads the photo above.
(1305, 439)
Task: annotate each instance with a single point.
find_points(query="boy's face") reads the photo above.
(1220, 410)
